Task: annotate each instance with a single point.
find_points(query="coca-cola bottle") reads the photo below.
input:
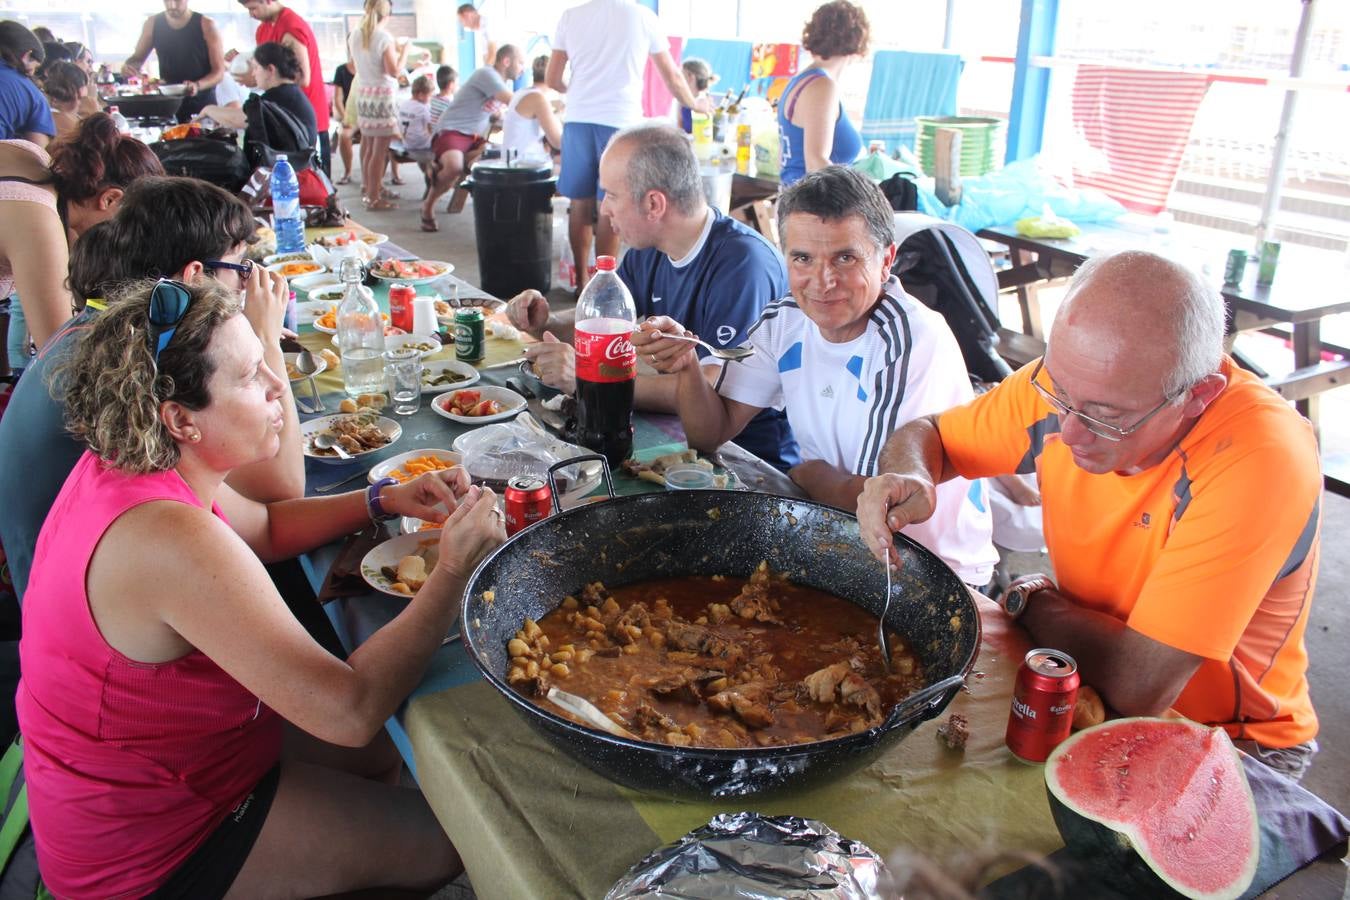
(606, 364)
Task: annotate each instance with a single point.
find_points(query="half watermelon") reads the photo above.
(1159, 804)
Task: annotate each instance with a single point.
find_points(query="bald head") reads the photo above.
(1141, 312)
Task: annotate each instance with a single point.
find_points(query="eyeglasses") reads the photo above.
(1096, 426)
(245, 268)
(169, 302)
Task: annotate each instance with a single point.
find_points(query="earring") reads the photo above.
(195, 436)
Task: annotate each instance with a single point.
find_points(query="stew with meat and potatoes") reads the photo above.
(716, 661)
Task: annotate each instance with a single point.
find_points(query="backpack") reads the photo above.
(218, 161)
(273, 129)
(19, 877)
(901, 192)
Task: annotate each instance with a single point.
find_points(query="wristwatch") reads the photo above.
(1017, 595)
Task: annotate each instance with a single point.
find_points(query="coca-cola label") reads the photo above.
(605, 357)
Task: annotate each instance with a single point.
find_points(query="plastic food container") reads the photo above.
(688, 477)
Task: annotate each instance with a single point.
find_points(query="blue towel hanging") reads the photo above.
(905, 85)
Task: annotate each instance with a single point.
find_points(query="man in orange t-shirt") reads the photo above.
(1181, 501)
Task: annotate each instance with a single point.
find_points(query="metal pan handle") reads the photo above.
(553, 481)
(923, 705)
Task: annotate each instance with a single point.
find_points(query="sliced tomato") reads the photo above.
(487, 408)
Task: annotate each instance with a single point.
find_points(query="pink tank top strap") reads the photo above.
(17, 187)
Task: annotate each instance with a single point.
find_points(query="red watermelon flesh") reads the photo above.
(1174, 789)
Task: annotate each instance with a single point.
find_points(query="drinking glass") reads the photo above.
(403, 371)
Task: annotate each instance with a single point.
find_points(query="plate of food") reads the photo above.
(424, 345)
(306, 311)
(326, 293)
(343, 238)
(410, 271)
(325, 321)
(401, 565)
(318, 281)
(294, 374)
(446, 374)
(296, 268)
(360, 434)
(276, 258)
(407, 466)
(479, 405)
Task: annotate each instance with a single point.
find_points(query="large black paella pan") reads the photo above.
(632, 539)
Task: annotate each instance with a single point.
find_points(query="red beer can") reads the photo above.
(401, 306)
(528, 499)
(1042, 704)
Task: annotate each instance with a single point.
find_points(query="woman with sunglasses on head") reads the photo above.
(162, 683)
(47, 201)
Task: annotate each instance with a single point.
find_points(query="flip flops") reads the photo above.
(429, 224)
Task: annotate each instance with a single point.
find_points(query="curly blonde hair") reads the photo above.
(113, 387)
(837, 29)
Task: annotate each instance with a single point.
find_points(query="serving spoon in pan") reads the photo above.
(885, 608)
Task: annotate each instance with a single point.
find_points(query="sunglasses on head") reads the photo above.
(245, 268)
(169, 302)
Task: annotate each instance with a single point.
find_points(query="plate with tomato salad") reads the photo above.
(479, 405)
(410, 271)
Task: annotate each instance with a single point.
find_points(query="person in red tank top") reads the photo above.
(161, 669)
(285, 26)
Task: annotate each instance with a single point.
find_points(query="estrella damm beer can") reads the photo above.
(1042, 704)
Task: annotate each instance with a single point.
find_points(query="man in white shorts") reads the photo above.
(850, 356)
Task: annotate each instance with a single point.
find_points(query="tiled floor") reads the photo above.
(1327, 629)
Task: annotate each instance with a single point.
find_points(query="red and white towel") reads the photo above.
(1132, 127)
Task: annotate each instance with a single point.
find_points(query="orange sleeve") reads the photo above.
(997, 432)
(1251, 514)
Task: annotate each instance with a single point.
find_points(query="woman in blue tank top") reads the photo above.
(814, 129)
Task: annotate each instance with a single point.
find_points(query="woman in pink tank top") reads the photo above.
(178, 722)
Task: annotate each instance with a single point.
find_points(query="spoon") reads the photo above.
(730, 353)
(885, 608)
(583, 708)
(306, 365)
(325, 441)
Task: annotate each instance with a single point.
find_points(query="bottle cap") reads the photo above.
(605, 264)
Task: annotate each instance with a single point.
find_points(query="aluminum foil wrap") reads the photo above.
(749, 855)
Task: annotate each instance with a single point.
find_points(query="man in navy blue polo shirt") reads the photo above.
(685, 260)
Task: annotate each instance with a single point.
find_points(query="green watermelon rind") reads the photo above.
(1121, 845)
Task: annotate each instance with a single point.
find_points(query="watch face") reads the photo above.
(1014, 600)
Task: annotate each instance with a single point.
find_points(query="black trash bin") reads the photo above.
(513, 222)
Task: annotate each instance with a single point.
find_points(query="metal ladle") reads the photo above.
(730, 353)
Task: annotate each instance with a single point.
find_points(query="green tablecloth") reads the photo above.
(530, 822)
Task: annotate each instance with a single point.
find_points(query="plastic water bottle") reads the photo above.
(123, 126)
(606, 364)
(287, 222)
(360, 334)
